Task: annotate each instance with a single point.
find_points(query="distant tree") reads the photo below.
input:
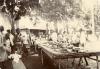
(60, 9)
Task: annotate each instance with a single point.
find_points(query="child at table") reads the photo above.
(16, 61)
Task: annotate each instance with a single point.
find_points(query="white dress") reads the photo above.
(17, 62)
(3, 53)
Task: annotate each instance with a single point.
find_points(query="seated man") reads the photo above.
(26, 45)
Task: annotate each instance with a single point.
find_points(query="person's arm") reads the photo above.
(19, 56)
(10, 56)
(4, 40)
(11, 40)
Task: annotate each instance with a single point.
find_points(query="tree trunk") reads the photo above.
(12, 26)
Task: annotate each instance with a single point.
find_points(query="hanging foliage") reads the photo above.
(54, 10)
(18, 8)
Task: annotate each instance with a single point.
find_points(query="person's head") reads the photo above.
(81, 30)
(1, 28)
(18, 2)
(90, 32)
(12, 32)
(17, 30)
(8, 31)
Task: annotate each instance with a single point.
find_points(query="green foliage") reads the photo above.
(9, 7)
(55, 10)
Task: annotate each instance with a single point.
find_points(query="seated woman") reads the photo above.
(16, 61)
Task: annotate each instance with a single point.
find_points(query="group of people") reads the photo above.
(12, 47)
(79, 38)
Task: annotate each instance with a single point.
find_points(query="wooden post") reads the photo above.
(42, 58)
(92, 21)
(47, 31)
(12, 25)
(97, 62)
(59, 65)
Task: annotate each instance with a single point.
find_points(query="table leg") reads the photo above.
(35, 48)
(59, 64)
(42, 58)
(86, 61)
(97, 62)
(80, 61)
(73, 61)
(67, 63)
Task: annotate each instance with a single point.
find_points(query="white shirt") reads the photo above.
(54, 36)
(8, 43)
(1, 39)
(11, 39)
(25, 39)
(83, 37)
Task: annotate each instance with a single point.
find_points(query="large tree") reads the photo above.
(17, 8)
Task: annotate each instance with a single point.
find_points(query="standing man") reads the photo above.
(18, 41)
(11, 37)
(25, 41)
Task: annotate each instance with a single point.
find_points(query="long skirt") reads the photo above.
(3, 57)
(3, 54)
(19, 65)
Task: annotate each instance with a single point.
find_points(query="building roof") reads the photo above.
(25, 22)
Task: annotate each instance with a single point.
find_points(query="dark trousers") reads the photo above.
(26, 49)
(2, 65)
(12, 48)
(18, 48)
(7, 64)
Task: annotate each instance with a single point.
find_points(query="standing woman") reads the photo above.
(3, 53)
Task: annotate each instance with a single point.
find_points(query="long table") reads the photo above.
(57, 55)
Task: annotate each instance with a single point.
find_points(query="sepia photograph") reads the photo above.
(49, 34)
